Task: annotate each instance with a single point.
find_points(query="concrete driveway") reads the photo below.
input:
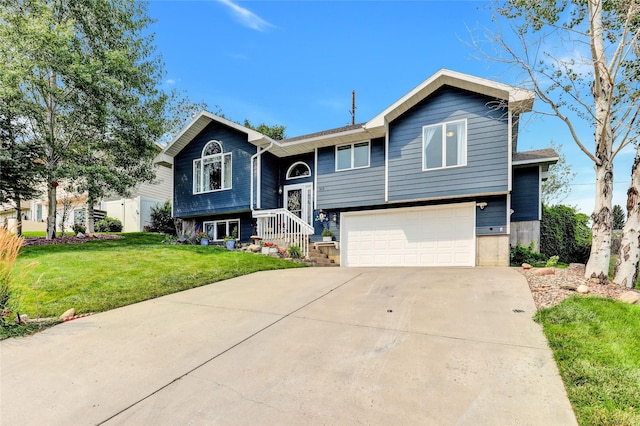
(305, 346)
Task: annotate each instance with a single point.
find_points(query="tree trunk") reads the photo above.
(598, 264)
(51, 210)
(602, 89)
(90, 215)
(626, 270)
(18, 217)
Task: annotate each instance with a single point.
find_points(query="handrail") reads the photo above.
(284, 226)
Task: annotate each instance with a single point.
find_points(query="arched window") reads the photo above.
(212, 171)
(298, 170)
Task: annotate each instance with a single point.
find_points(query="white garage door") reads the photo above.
(420, 236)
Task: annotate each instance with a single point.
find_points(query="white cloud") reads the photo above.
(246, 17)
(170, 82)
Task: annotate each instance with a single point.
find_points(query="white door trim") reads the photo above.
(306, 201)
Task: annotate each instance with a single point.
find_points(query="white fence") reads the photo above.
(282, 226)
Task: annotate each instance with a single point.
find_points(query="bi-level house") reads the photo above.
(433, 180)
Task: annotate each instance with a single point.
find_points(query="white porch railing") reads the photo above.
(280, 225)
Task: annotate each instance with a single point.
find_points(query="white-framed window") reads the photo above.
(212, 171)
(353, 156)
(218, 229)
(298, 170)
(444, 145)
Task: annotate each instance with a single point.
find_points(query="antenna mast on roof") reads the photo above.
(353, 107)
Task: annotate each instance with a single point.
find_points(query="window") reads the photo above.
(352, 156)
(298, 170)
(444, 145)
(212, 171)
(219, 229)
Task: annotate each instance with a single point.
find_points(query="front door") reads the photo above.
(298, 199)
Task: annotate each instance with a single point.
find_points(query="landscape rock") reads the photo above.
(253, 248)
(68, 314)
(24, 318)
(80, 235)
(569, 286)
(631, 297)
(578, 268)
(282, 250)
(544, 271)
(526, 266)
(582, 289)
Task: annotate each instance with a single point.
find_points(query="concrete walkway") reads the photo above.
(305, 346)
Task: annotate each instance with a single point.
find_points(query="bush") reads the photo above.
(9, 247)
(521, 254)
(79, 228)
(109, 224)
(295, 252)
(162, 220)
(565, 233)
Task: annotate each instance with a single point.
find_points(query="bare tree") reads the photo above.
(580, 57)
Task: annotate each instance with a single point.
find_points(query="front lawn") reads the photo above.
(596, 344)
(104, 274)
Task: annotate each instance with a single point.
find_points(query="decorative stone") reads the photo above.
(582, 289)
(631, 297)
(569, 286)
(24, 318)
(526, 266)
(544, 271)
(577, 267)
(282, 250)
(80, 235)
(68, 314)
(253, 248)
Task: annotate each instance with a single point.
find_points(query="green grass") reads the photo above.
(596, 344)
(104, 274)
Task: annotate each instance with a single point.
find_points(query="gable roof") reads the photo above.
(546, 155)
(519, 100)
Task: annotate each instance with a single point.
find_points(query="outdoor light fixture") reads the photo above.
(280, 190)
(482, 205)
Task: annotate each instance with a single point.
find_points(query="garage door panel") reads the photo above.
(427, 236)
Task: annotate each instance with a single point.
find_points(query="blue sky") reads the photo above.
(295, 63)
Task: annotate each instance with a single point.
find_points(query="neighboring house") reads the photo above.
(134, 212)
(433, 180)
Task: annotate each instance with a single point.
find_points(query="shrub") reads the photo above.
(521, 254)
(162, 220)
(79, 228)
(295, 252)
(109, 224)
(327, 233)
(565, 233)
(552, 262)
(9, 247)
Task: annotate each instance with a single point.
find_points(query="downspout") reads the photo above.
(254, 157)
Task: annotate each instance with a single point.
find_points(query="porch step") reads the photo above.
(320, 258)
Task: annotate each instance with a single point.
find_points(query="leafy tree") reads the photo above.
(564, 233)
(557, 186)
(179, 112)
(162, 220)
(580, 57)
(87, 77)
(275, 132)
(618, 217)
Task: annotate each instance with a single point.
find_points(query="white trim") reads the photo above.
(386, 162)
(286, 176)
(353, 144)
(443, 126)
(304, 187)
(508, 212)
(259, 181)
(510, 151)
(223, 156)
(449, 197)
(315, 179)
(215, 230)
(539, 193)
(536, 161)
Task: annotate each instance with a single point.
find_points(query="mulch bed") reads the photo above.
(68, 239)
(546, 289)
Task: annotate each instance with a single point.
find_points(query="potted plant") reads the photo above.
(230, 241)
(269, 248)
(327, 235)
(202, 238)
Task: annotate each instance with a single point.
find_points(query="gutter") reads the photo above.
(253, 157)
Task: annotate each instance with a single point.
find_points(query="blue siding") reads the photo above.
(525, 198)
(487, 148)
(493, 218)
(351, 188)
(287, 162)
(269, 197)
(186, 204)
